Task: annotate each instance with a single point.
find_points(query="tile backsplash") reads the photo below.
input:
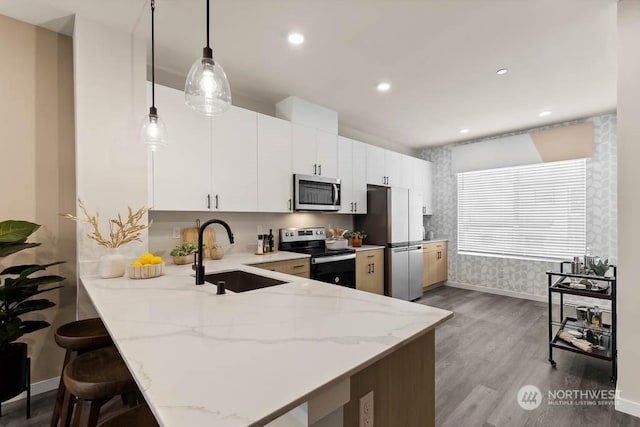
(244, 226)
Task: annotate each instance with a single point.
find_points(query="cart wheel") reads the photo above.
(613, 380)
(553, 363)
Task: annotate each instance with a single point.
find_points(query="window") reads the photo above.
(534, 212)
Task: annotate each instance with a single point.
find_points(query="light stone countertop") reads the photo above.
(435, 240)
(203, 359)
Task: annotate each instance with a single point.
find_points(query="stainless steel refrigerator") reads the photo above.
(394, 220)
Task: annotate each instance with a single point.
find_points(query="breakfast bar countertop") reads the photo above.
(242, 359)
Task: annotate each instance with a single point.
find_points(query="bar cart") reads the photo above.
(607, 350)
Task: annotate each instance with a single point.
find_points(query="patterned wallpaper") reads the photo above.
(524, 276)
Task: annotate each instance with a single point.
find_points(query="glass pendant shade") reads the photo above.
(207, 89)
(153, 132)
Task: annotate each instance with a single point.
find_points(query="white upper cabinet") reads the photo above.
(182, 169)
(345, 173)
(427, 190)
(353, 173)
(275, 176)
(393, 169)
(235, 161)
(314, 151)
(376, 173)
(359, 192)
(327, 153)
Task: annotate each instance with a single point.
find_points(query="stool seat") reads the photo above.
(98, 375)
(83, 335)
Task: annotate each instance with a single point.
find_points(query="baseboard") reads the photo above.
(495, 291)
(38, 388)
(627, 406)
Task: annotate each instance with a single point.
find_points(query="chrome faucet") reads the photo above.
(200, 266)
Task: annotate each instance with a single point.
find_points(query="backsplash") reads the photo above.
(523, 276)
(244, 226)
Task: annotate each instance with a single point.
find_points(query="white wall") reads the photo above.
(629, 206)
(110, 96)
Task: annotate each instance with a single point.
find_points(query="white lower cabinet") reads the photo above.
(181, 170)
(275, 182)
(235, 161)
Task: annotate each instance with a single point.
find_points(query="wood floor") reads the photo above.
(493, 346)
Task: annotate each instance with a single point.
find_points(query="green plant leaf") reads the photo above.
(28, 326)
(32, 305)
(12, 231)
(15, 296)
(11, 248)
(27, 269)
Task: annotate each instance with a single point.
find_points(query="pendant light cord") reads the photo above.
(153, 59)
(208, 47)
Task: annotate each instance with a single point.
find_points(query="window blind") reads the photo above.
(534, 211)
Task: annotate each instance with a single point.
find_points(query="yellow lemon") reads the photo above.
(156, 260)
(136, 264)
(146, 259)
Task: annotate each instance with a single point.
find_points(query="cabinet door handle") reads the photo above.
(351, 206)
(319, 169)
(368, 268)
(315, 169)
(289, 204)
(373, 268)
(216, 201)
(208, 201)
(370, 256)
(299, 266)
(356, 205)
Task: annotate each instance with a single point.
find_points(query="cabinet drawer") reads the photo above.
(437, 246)
(296, 267)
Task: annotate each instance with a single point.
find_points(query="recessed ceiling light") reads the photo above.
(295, 38)
(464, 130)
(544, 113)
(502, 71)
(383, 87)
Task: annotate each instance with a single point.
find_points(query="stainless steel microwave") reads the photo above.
(316, 193)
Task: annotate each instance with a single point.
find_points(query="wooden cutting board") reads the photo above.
(190, 235)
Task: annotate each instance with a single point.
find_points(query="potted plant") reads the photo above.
(183, 253)
(356, 238)
(16, 289)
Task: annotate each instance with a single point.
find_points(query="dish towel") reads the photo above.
(581, 344)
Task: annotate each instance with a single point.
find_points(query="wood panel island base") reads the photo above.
(253, 358)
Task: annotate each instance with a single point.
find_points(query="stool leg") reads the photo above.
(94, 412)
(28, 387)
(77, 413)
(67, 409)
(57, 409)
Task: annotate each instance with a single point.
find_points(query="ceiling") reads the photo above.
(440, 57)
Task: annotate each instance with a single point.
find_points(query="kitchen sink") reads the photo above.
(241, 281)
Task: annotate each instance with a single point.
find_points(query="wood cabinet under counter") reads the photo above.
(370, 271)
(295, 267)
(435, 263)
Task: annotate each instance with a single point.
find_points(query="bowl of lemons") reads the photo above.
(146, 267)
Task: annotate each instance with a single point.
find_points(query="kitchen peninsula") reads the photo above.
(242, 359)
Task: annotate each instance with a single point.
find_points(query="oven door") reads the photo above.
(338, 270)
(316, 193)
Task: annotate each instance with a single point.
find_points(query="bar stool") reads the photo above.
(77, 337)
(95, 377)
(140, 416)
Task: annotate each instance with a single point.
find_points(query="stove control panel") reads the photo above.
(301, 234)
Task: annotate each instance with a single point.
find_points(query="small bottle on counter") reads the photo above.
(265, 243)
(260, 244)
(271, 240)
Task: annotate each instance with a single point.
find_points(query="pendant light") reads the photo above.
(207, 88)
(153, 133)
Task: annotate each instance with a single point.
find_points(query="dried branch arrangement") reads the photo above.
(120, 232)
